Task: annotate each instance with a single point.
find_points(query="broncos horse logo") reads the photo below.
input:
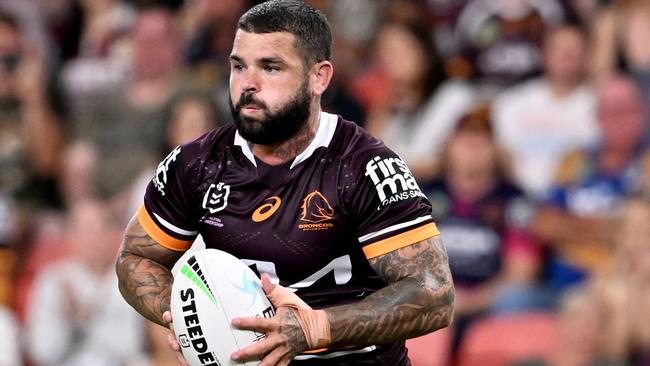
(315, 208)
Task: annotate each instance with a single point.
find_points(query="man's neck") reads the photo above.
(561, 88)
(285, 151)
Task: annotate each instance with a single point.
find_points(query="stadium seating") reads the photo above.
(432, 349)
(502, 340)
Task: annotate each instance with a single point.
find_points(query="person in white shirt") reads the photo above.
(419, 109)
(540, 120)
(9, 339)
(76, 315)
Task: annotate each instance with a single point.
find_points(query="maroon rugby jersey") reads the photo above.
(312, 223)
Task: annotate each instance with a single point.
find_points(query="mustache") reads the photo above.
(249, 99)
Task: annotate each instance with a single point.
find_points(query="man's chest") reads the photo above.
(288, 228)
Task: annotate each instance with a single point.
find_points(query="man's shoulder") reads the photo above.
(353, 142)
(214, 141)
(219, 137)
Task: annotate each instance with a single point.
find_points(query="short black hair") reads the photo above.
(308, 25)
(10, 21)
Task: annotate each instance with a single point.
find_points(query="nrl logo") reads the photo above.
(216, 197)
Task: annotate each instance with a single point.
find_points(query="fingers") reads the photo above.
(281, 296)
(276, 357)
(258, 324)
(267, 286)
(270, 347)
(176, 347)
(172, 341)
(167, 317)
(285, 360)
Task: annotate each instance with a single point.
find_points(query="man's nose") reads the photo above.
(250, 83)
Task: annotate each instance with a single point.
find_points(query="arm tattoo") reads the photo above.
(143, 269)
(292, 333)
(418, 300)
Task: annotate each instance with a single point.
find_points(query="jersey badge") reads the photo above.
(315, 212)
(216, 197)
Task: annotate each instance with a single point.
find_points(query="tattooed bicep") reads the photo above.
(425, 260)
(137, 242)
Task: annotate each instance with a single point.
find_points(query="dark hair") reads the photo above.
(200, 96)
(308, 25)
(434, 73)
(9, 20)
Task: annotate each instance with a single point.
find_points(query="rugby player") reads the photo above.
(304, 197)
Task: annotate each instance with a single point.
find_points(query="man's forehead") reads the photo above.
(262, 45)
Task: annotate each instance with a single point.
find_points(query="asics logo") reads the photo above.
(267, 210)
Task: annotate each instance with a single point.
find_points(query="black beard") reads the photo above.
(276, 127)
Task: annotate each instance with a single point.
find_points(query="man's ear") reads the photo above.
(321, 75)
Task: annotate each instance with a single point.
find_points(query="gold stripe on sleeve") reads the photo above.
(159, 235)
(401, 240)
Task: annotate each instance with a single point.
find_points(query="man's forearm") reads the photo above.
(145, 285)
(399, 311)
(143, 272)
(411, 306)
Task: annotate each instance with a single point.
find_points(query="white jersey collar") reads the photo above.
(323, 137)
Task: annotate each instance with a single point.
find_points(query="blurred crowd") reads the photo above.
(526, 123)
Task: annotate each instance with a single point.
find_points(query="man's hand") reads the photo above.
(171, 339)
(284, 335)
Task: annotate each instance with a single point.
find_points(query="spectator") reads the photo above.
(543, 119)
(101, 61)
(78, 176)
(445, 15)
(76, 315)
(620, 41)
(583, 11)
(353, 25)
(412, 110)
(8, 235)
(9, 338)
(127, 126)
(31, 134)
(208, 28)
(483, 217)
(577, 218)
(187, 116)
(105, 23)
(501, 39)
(582, 334)
(624, 290)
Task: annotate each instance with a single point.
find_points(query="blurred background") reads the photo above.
(526, 123)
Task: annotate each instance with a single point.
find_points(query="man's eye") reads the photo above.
(271, 69)
(238, 67)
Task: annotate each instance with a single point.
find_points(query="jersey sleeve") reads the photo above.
(390, 210)
(166, 212)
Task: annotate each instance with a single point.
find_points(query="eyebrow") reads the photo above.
(272, 60)
(263, 60)
(236, 58)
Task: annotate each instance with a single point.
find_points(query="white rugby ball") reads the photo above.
(210, 288)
